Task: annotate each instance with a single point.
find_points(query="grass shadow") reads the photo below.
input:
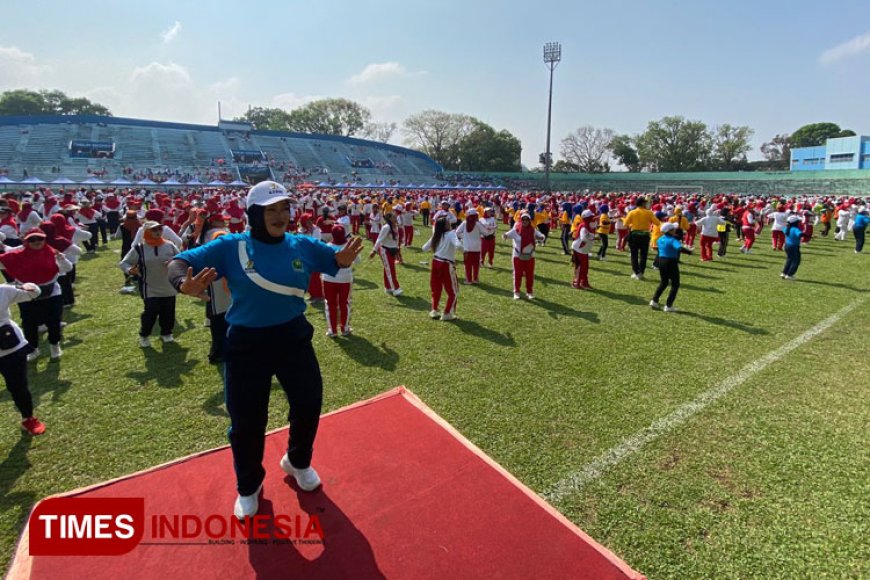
(363, 284)
(725, 322)
(627, 298)
(832, 285)
(555, 310)
(367, 354)
(413, 302)
(700, 288)
(166, 367)
(14, 465)
(48, 381)
(475, 329)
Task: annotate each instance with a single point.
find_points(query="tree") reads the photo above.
(777, 151)
(267, 119)
(730, 146)
(330, 117)
(26, 102)
(563, 166)
(438, 135)
(381, 132)
(675, 144)
(485, 149)
(588, 148)
(623, 151)
(816, 134)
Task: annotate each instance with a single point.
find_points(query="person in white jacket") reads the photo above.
(13, 354)
(709, 226)
(387, 246)
(843, 218)
(471, 233)
(524, 237)
(487, 242)
(443, 243)
(581, 249)
(338, 290)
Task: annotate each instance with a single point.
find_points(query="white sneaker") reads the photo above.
(530, 296)
(448, 316)
(653, 304)
(670, 308)
(128, 290)
(307, 479)
(517, 296)
(330, 334)
(247, 505)
(397, 292)
(434, 314)
(144, 342)
(634, 277)
(388, 291)
(33, 356)
(42, 329)
(167, 338)
(347, 331)
(55, 350)
(207, 323)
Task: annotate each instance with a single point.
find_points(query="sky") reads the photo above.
(772, 65)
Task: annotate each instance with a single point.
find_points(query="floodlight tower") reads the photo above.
(552, 56)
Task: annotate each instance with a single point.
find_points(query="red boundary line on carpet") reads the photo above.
(20, 568)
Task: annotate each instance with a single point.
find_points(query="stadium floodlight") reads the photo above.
(552, 56)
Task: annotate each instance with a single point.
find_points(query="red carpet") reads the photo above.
(404, 496)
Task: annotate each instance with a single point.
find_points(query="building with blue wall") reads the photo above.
(839, 153)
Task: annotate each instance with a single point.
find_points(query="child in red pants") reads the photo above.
(337, 290)
(525, 237)
(443, 276)
(581, 248)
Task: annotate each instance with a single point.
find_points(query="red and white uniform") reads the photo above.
(406, 219)
(387, 246)
(748, 223)
(337, 291)
(471, 234)
(443, 274)
(487, 241)
(524, 256)
(581, 247)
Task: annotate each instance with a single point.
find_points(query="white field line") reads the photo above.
(595, 469)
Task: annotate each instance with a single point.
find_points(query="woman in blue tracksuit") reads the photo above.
(859, 229)
(669, 247)
(793, 235)
(267, 272)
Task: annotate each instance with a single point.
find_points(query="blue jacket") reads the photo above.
(861, 221)
(669, 247)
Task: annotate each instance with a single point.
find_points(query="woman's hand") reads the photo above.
(196, 286)
(349, 252)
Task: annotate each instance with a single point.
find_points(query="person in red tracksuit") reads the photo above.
(387, 245)
(471, 233)
(443, 275)
(525, 237)
(315, 284)
(487, 242)
(748, 223)
(337, 290)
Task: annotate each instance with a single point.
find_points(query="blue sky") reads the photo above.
(771, 65)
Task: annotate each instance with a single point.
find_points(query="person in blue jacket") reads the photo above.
(793, 235)
(267, 271)
(859, 229)
(670, 247)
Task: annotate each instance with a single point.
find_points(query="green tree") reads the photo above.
(438, 135)
(485, 149)
(269, 119)
(330, 117)
(730, 146)
(26, 102)
(675, 144)
(623, 151)
(588, 148)
(381, 132)
(816, 134)
(562, 166)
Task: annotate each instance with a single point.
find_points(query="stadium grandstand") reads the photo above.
(95, 149)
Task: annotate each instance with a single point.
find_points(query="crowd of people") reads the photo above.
(45, 234)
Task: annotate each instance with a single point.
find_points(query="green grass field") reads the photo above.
(769, 481)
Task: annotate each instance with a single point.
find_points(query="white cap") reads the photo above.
(266, 193)
(793, 218)
(587, 213)
(472, 211)
(668, 227)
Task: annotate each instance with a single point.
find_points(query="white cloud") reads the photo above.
(290, 101)
(170, 34)
(388, 107)
(19, 69)
(849, 48)
(377, 71)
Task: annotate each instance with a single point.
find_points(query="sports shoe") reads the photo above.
(530, 296)
(56, 351)
(517, 296)
(144, 342)
(42, 329)
(634, 277)
(397, 292)
(782, 275)
(640, 276)
(128, 290)
(347, 331)
(653, 304)
(330, 334)
(167, 338)
(434, 314)
(448, 316)
(388, 291)
(670, 308)
(33, 426)
(247, 505)
(307, 479)
(33, 356)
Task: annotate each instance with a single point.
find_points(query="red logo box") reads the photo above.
(86, 526)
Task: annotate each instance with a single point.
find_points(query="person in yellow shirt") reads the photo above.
(425, 210)
(542, 222)
(602, 229)
(639, 222)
